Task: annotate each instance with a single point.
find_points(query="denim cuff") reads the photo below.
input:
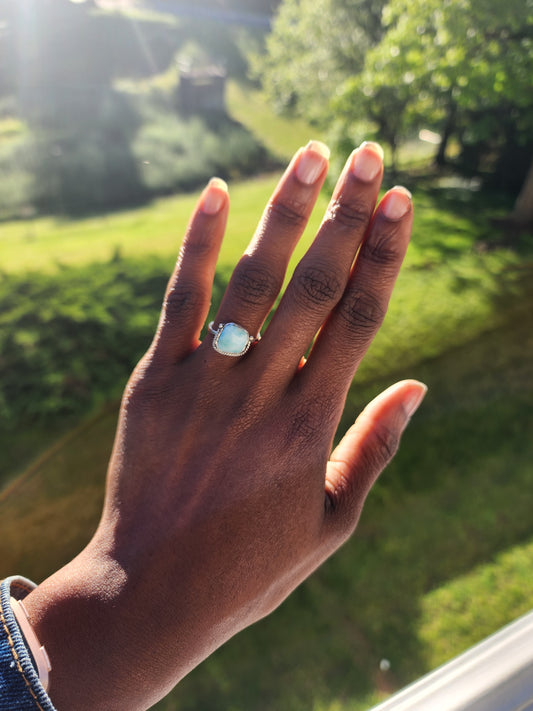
(20, 688)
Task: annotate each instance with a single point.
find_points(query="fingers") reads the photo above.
(349, 330)
(258, 277)
(321, 276)
(363, 453)
(319, 284)
(188, 293)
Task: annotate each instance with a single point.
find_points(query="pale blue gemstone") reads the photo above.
(232, 339)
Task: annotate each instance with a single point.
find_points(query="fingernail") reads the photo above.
(414, 398)
(367, 161)
(396, 203)
(214, 196)
(312, 162)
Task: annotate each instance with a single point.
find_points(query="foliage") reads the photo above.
(15, 176)
(87, 164)
(82, 340)
(313, 46)
(97, 131)
(139, 147)
(462, 67)
(175, 154)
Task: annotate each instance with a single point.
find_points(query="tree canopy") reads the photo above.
(461, 67)
(315, 45)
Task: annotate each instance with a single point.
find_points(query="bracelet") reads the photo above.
(36, 648)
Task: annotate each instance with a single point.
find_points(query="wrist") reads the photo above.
(74, 617)
(112, 642)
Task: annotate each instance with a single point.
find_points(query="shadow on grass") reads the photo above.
(449, 199)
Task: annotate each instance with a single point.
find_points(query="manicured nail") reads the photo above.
(214, 196)
(312, 162)
(367, 161)
(396, 203)
(414, 398)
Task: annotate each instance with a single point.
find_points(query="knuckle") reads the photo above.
(149, 385)
(382, 249)
(255, 285)
(197, 247)
(362, 311)
(352, 215)
(346, 512)
(291, 212)
(345, 503)
(180, 300)
(303, 426)
(309, 422)
(386, 443)
(318, 285)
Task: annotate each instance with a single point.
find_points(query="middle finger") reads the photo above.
(321, 276)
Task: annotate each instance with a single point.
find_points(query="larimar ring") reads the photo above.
(231, 339)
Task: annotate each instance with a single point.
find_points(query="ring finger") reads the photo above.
(321, 276)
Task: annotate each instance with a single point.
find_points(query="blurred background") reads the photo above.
(113, 116)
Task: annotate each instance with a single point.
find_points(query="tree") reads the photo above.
(314, 46)
(60, 68)
(462, 66)
(523, 208)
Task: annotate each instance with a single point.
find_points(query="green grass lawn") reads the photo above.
(44, 244)
(281, 136)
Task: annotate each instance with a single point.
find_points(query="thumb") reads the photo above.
(366, 449)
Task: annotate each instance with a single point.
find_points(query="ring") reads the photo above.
(231, 339)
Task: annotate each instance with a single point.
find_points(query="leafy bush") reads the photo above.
(176, 153)
(15, 177)
(132, 149)
(74, 176)
(69, 339)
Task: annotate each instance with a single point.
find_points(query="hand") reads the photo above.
(220, 496)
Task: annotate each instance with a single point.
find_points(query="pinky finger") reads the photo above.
(365, 450)
(188, 293)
